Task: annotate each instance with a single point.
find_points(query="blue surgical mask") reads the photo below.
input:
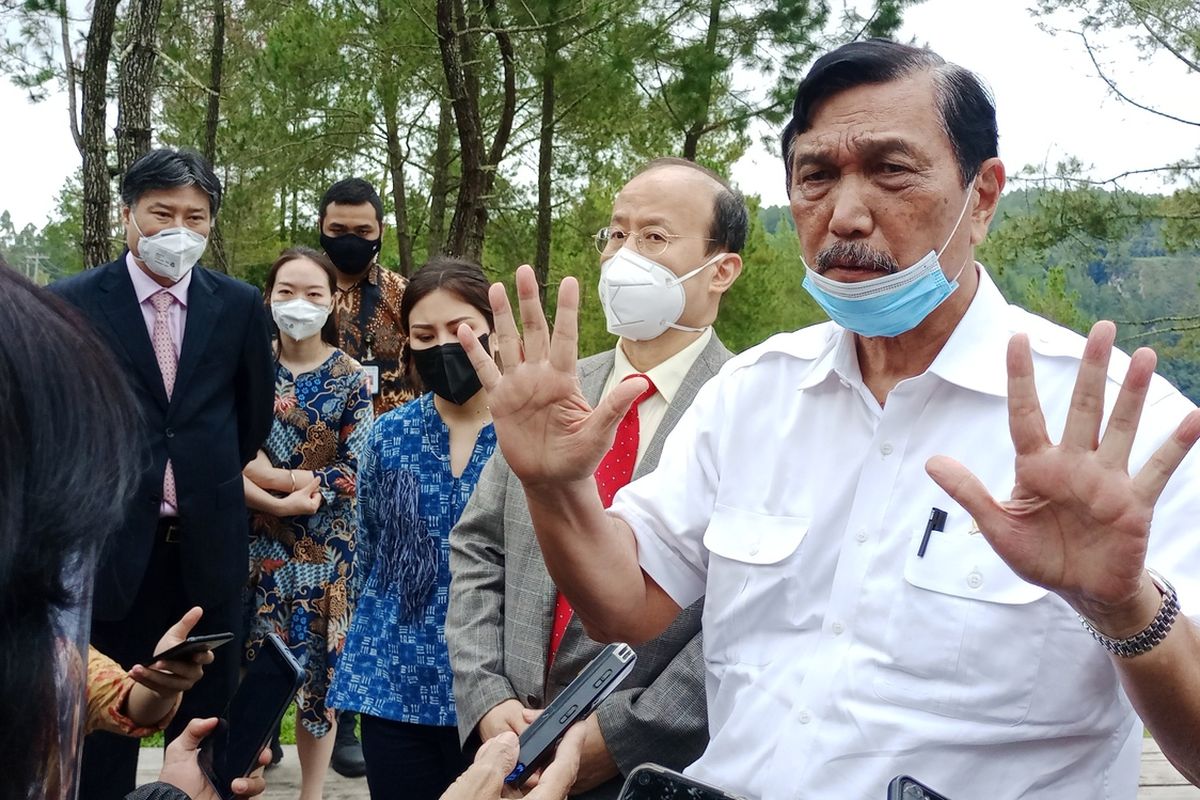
(891, 304)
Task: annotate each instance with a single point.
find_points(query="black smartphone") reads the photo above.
(652, 782)
(269, 685)
(192, 645)
(590, 687)
(903, 787)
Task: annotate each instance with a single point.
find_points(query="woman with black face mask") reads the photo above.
(417, 472)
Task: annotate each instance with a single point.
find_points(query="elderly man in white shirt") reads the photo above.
(872, 606)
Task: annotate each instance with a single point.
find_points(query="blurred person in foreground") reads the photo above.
(936, 535)
(54, 516)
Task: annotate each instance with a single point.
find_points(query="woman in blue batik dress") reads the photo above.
(302, 545)
(416, 474)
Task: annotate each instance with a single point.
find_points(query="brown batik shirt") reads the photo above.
(368, 319)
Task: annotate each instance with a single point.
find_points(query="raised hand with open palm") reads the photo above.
(1077, 522)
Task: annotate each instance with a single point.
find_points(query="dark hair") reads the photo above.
(966, 105)
(329, 331)
(731, 219)
(66, 417)
(465, 279)
(351, 192)
(168, 168)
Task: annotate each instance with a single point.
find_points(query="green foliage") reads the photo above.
(768, 297)
(1053, 252)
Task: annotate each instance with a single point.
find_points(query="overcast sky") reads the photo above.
(1050, 103)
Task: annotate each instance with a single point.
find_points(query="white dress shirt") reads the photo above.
(835, 657)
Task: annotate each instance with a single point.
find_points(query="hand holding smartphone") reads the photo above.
(268, 687)
(580, 698)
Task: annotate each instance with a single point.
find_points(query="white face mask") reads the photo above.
(172, 252)
(298, 318)
(641, 297)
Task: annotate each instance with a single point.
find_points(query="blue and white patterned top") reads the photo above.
(395, 664)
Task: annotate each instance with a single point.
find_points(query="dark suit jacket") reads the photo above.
(502, 608)
(219, 414)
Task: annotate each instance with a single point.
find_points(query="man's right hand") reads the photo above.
(507, 716)
(546, 429)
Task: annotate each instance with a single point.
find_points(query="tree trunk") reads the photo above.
(691, 139)
(457, 42)
(97, 195)
(283, 237)
(212, 118)
(295, 216)
(389, 95)
(508, 111)
(456, 58)
(135, 84)
(541, 260)
(439, 185)
(216, 64)
(399, 193)
(64, 27)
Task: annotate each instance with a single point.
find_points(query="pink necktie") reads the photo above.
(164, 351)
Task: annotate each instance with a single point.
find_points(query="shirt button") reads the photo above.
(805, 718)
(860, 537)
(170, 433)
(886, 448)
(753, 550)
(974, 580)
(844, 382)
(837, 628)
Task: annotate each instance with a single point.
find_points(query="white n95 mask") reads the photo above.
(172, 252)
(298, 318)
(641, 297)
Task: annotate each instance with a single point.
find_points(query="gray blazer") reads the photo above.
(502, 607)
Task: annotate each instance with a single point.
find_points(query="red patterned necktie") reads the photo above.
(614, 472)
(168, 362)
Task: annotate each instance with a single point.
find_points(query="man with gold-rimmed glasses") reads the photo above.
(668, 255)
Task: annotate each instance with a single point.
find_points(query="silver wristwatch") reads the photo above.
(1146, 639)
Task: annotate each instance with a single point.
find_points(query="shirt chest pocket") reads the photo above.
(965, 635)
(753, 573)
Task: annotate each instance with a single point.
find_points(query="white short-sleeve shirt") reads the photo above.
(835, 657)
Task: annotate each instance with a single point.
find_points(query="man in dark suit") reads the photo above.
(514, 642)
(195, 347)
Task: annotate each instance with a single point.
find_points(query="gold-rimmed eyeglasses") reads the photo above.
(648, 241)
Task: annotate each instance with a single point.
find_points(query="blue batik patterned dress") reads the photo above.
(396, 665)
(301, 568)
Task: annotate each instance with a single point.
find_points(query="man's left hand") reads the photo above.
(596, 764)
(1077, 522)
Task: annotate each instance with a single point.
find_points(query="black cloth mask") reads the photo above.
(446, 370)
(350, 253)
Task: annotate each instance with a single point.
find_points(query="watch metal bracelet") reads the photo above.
(1146, 639)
